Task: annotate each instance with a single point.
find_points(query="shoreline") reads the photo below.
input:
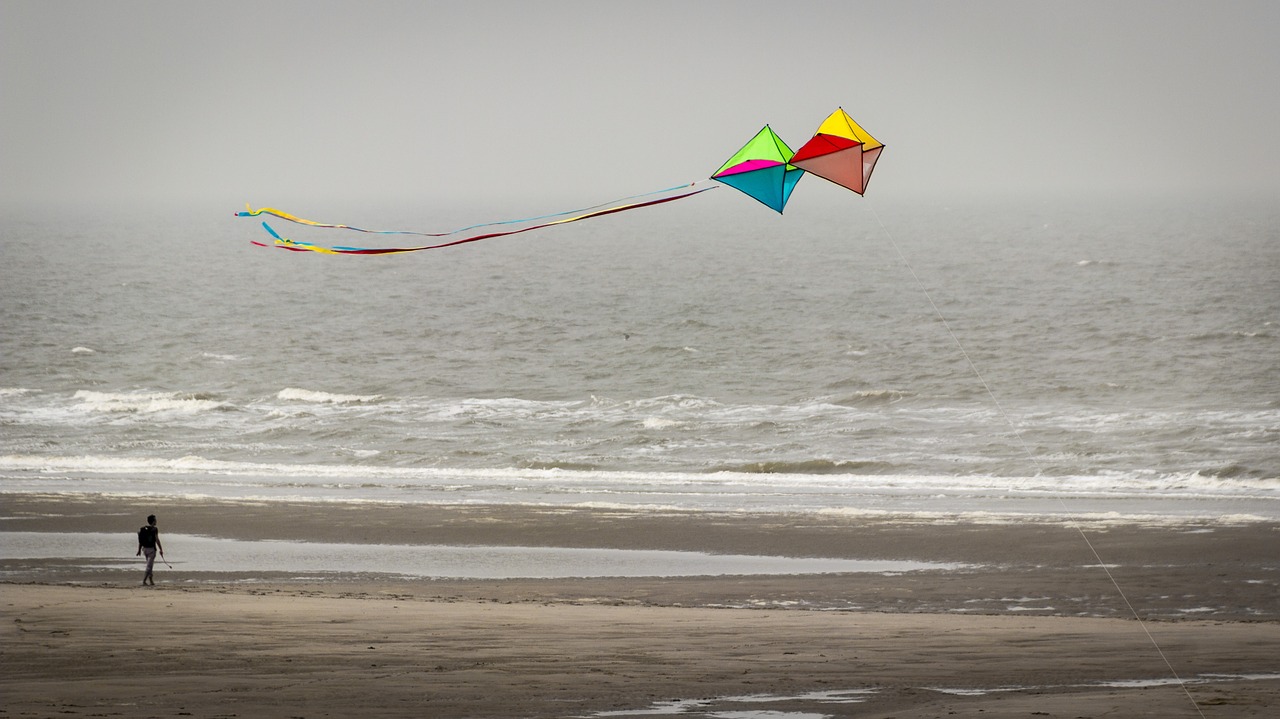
(1030, 625)
(563, 526)
(1186, 571)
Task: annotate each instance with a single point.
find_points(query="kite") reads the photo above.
(840, 152)
(761, 169)
(765, 169)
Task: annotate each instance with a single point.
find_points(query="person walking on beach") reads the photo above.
(149, 542)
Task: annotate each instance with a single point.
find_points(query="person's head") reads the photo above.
(151, 519)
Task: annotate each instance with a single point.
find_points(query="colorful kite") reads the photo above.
(840, 152)
(765, 169)
(761, 169)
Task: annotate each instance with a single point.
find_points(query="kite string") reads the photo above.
(1017, 433)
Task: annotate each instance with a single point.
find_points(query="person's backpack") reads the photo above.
(147, 536)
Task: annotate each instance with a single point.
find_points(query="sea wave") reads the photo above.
(820, 474)
(550, 485)
(871, 398)
(664, 402)
(146, 402)
(306, 395)
(1222, 335)
(813, 466)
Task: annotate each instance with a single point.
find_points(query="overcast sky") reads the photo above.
(278, 103)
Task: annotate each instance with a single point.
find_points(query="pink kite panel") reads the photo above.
(749, 166)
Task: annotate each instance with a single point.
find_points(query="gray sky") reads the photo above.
(300, 103)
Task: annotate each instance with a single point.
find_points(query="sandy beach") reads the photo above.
(1030, 627)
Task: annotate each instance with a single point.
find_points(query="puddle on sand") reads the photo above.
(209, 554)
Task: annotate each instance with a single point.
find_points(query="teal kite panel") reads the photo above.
(771, 186)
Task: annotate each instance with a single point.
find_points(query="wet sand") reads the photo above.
(1032, 628)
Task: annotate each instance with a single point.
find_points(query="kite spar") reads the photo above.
(765, 169)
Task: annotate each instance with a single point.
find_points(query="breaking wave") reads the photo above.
(306, 395)
(813, 466)
(146, 402)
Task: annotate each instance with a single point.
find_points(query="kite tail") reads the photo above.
(601, 210)
(250, 212)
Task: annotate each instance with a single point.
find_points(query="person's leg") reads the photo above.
(151, 562)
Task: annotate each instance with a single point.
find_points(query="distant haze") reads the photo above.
(305, 103)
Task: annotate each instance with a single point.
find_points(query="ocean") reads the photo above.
(988, 360)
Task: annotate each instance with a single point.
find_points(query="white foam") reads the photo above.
(706, 707)
(903, 498)
(306, 395)
(968, 692)
(143, 402)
